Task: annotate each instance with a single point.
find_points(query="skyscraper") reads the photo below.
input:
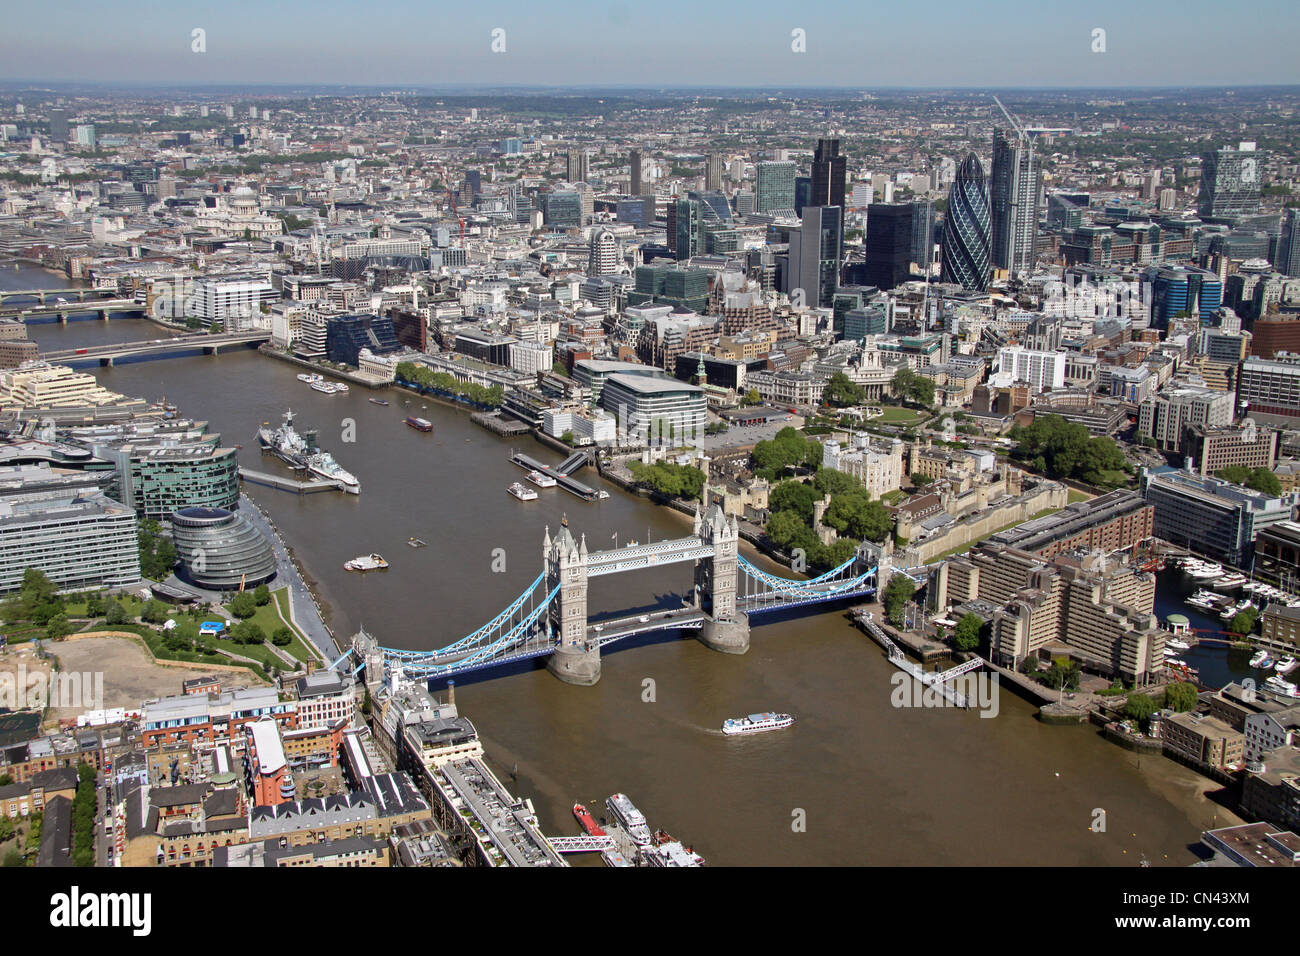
(1288, 246)
(634, 184)
(577, 166)
(827, 174)
(815, 254)
(774, 187)
(966, 228)
(713, 172)
(604, 257)
(1230, 182)
(1013, 203)
(685, 217)
(922, 233)
(802, 193)
(59, 125)
(889, 244)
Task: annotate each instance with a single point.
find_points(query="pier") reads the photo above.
(499, 424)
(939, 680)
(289, 484)
(561, 472)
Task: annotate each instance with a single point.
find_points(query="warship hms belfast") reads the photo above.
(301, 452)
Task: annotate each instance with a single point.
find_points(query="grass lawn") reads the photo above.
(894, 415)
(1076, 495)
(890, 497)
(269, 621)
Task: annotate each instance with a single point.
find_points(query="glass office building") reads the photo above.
(966, 229)
(221, 550)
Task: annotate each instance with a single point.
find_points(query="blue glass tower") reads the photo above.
(966, 228)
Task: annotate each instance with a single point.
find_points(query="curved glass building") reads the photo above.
(219, 549)
(967, 229)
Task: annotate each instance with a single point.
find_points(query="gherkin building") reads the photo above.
(967, 229)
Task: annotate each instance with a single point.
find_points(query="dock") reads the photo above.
(561, 473)
(499, 424)
(289, 484)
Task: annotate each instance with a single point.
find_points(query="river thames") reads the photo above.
(874, 784)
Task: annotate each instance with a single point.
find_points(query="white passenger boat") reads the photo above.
(522, 492)
(1262, 660)
(756, 723)
(1286, 665)
(540, 480)
(632, 819)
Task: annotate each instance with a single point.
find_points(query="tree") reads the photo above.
(897, 593)
(58, 627)
(966, 635)
(282, 637)
(1139, 707)
(1064, 674)
(1062, 449)
(841, 391)
(1181, 697)
(1258, 479)
(1243, 622)
(752, 397)
(116, 613)
(832, 482)
(857, 515)
(243, 605)
(796, 496)
(154, 612)
(262, 595)
(786, 530)
(246, 632)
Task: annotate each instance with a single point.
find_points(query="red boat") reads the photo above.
(587, 820)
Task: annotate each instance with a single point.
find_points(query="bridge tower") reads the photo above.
(727, 627)
(576, 660)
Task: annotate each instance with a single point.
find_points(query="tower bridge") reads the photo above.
(550, 617)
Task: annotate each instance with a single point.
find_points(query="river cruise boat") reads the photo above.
(756, 724)
(632, 819)
(340, 387)
(367, 562)
(522, 492)
(323, 387)
(540, 480)
(419, 424)
(309, 378)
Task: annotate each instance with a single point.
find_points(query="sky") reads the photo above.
(656, 43)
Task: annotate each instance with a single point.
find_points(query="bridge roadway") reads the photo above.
(199, 341)
(62, 310)
(42, 294)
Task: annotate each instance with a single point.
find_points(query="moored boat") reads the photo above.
(588, 822)
(367, 562)
(632, 819)
(540, 480)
